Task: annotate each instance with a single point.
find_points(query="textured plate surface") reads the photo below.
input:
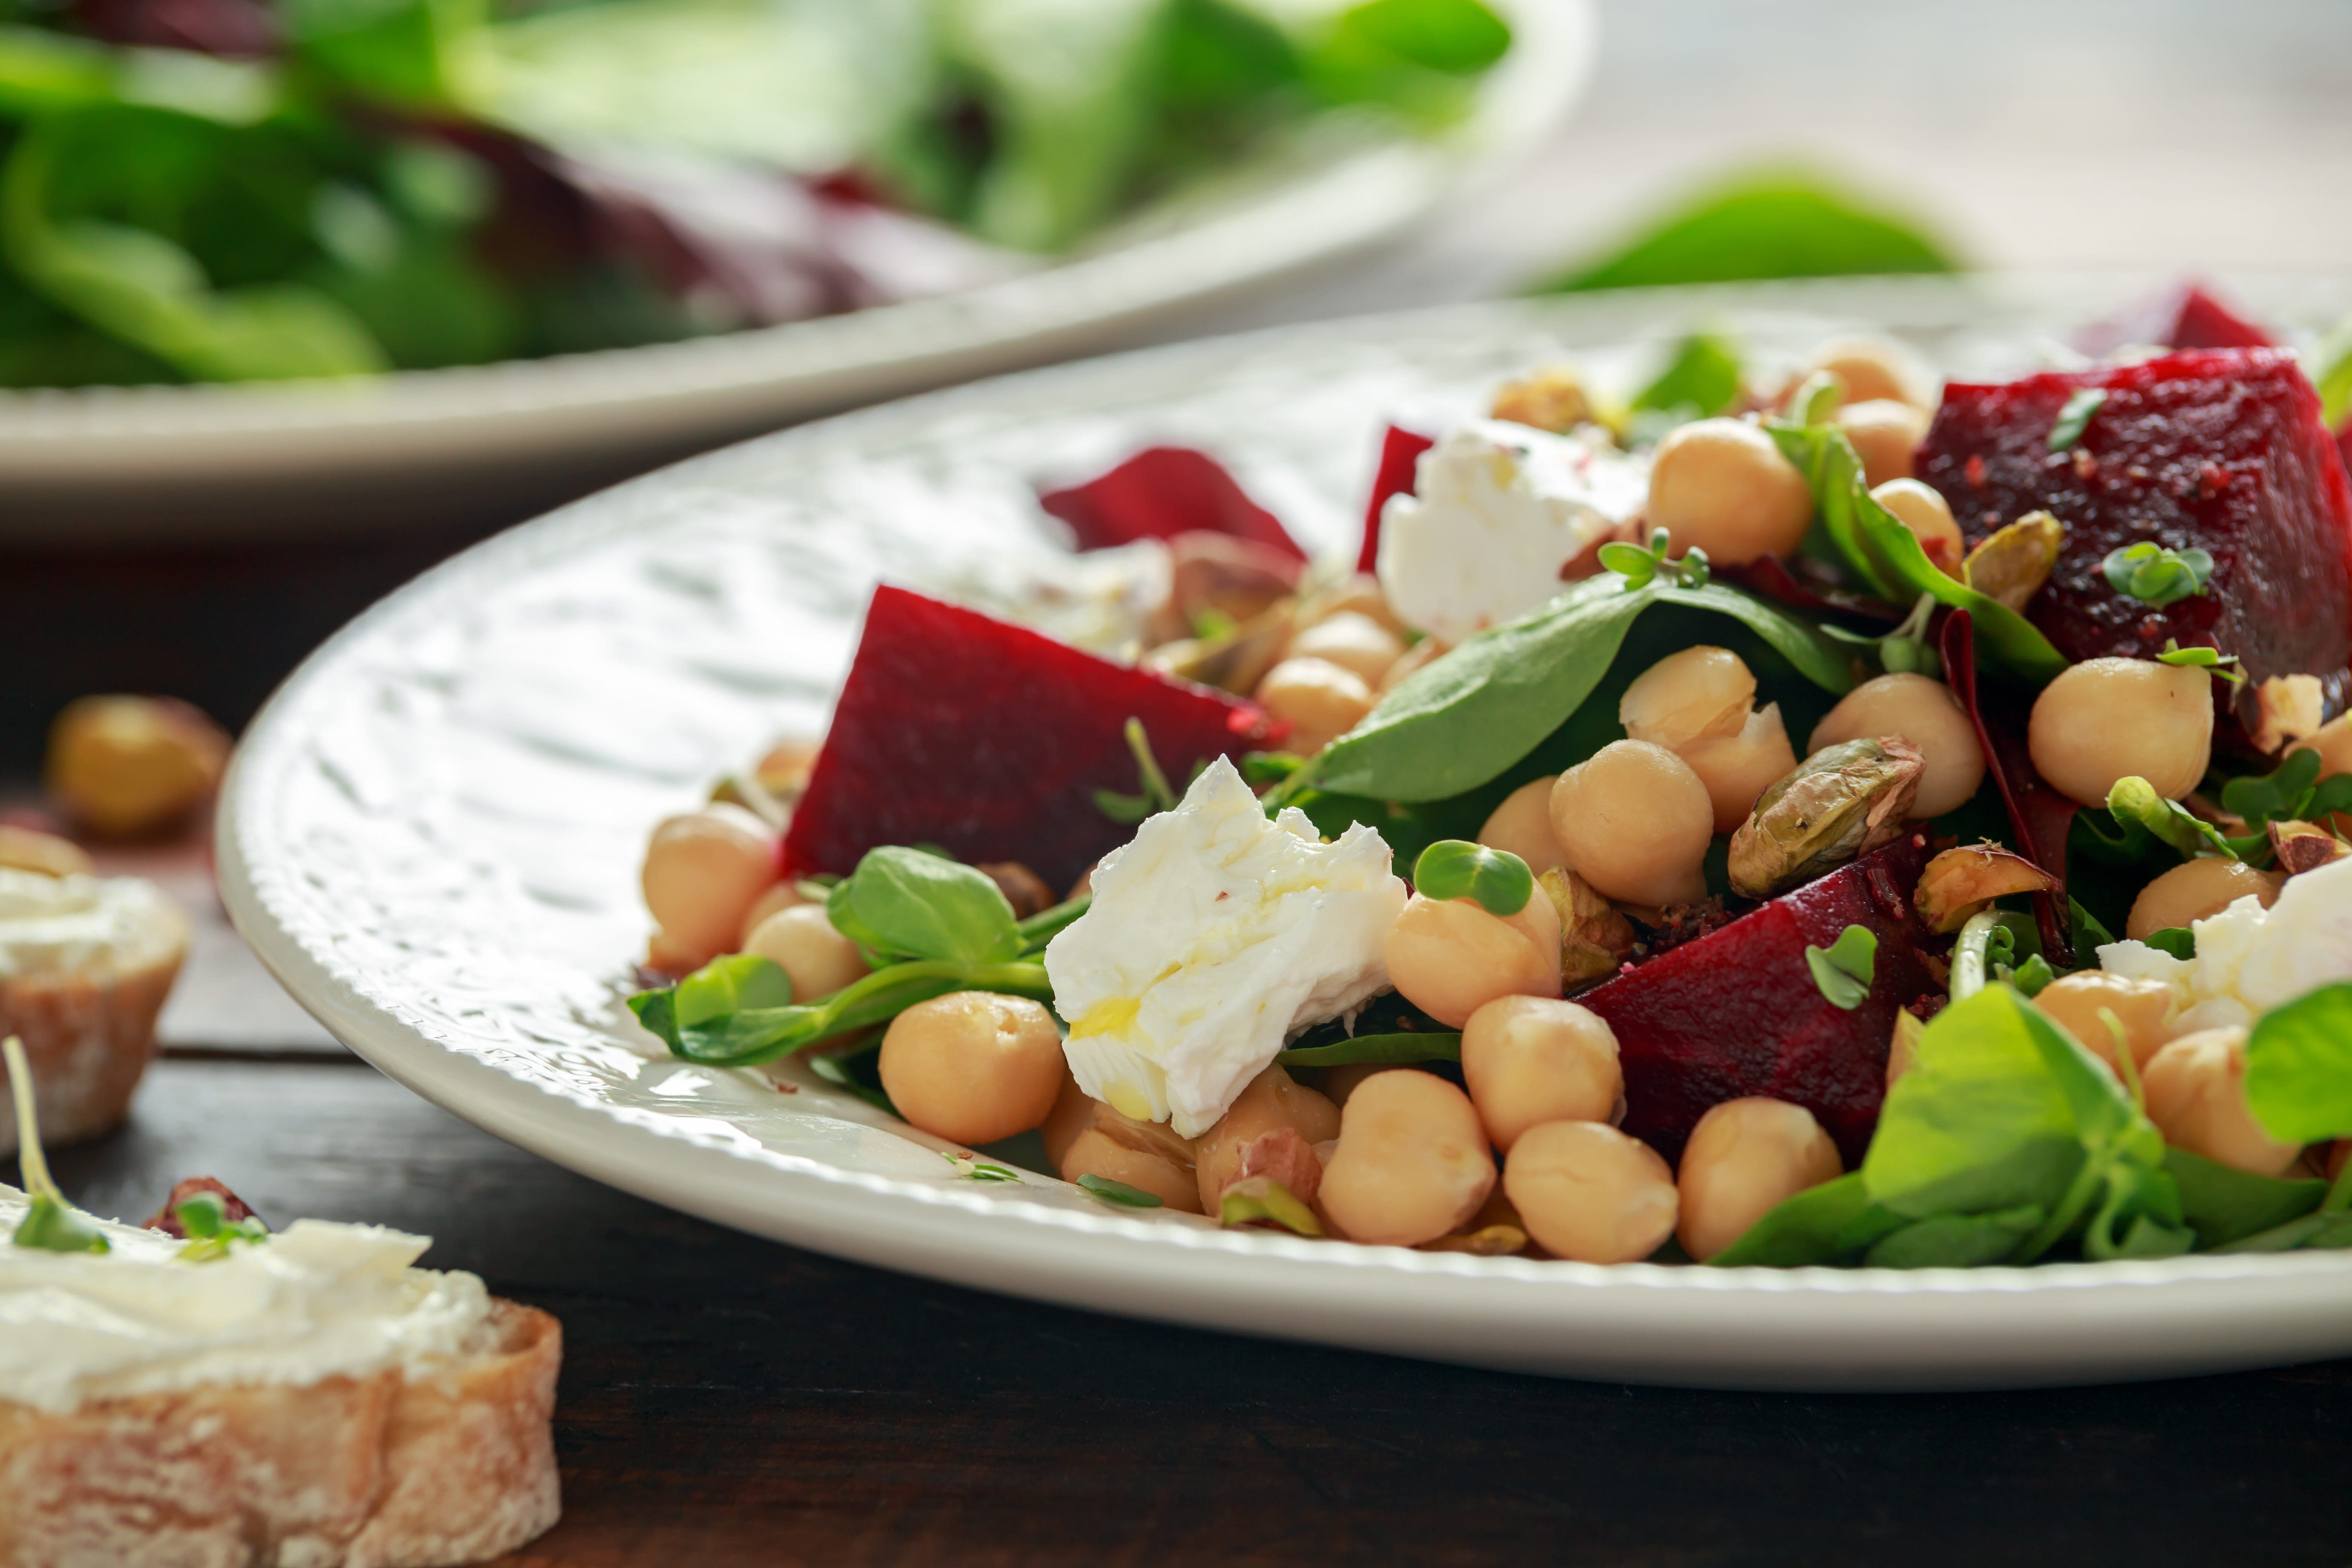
(431, 835)
(493, 440)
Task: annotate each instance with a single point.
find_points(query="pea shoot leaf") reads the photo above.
(904, 901)
(2134, 801)
(2154, 576)
(2299, 1067)
(1496, 880)
(2224, 1206)
(1835, 1222)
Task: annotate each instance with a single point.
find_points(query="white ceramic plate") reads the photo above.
(498, 441)
(431, 833)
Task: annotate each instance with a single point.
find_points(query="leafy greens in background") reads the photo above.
(1769, 223)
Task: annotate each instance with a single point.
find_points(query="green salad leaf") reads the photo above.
(1835, 1222)
(409, 52)
(2293, 791)
(1701, 380)
(1497, 880)
(1415, 1046)
(2299, 1067)
(1767, 223)
(909, 903)
(1467, 717)
(1888, 557)
(2225, 1207)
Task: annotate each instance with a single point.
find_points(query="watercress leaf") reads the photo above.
(1769, 223)
(1421, 1046)
(730, 984)
(2135, 800)
(1842, 971)
(2222, 1204)
(2074, 417)
(1957, 1240)
(1889, 558)
(2178, 940)
(930, 907)
(1119, 1192)
(1978, 1124)
(1496, 880)
(2278, 795)
(2299, 1067)
(1833, 1222)
(1703, 376)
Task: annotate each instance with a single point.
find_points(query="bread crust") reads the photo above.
(89, 1033)
(448, 1465)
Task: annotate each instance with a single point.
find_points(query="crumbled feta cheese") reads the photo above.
(1211, 938)
(1501, 508)
(2249, 959)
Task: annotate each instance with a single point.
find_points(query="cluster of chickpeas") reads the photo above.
(1349, 651)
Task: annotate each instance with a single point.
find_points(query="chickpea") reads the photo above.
(1522, 824)
(1321, 700)
(1872, 368)
(2196, 1097)
(1359, 592)
(1531, 1059)
(1735, 769)
(1274, 1099)
(1449, 957)
(801, 941)
(784, 895)
(2107, 718)
(1689, 696)
(2143, 1007)
(1353, 642)
(1924, 712)
(1635, 822)
(1095, 1152)
(1074, 1112)
(1884, 434)
(1412, 1164)
(1743, 1156)
(2333, 742)
(1721, 486)
(1590, 1194)
(1340, 1082)
(702, 872)
(2196, 891)
(973, 1066)
(1929, 516)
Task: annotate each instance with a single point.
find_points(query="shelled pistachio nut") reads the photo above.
(1594, 937)
(1839, 803)
(1959, 882)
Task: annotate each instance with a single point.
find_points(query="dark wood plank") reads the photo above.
(726, 1400)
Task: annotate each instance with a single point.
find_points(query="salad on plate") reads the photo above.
(1769, 815)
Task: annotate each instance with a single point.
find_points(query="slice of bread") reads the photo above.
(390, 1470)
(89, 1028)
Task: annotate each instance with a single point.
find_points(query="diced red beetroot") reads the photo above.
(1401, 451)
(990, 740)
(1159, 493)
(2183, 317)
(1737, 1013)
(2222, 449)
(167, 1218)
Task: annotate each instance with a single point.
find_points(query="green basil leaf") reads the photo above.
(1843, 970)
(908, 901)
(1833, 1222)
(1956, 1241)
(1422, 1046)
(2223, 1205)
(1119, 1192)
(51, 1227)
(728, 985)
(1768, 223)
(2299, 1067)
(1462, 720)
(1703, 377)
(1496, 880)
(2075, 417)
(2178, 941)
(1888, 557)
(2135, 801)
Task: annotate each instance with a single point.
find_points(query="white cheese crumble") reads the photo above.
(318, 1300)
(1501, 508)
(2249, 959)
(1211, 938)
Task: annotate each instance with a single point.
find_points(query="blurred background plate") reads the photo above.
(452, 447)
(431, 836)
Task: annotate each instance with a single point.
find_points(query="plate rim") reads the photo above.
(521, 1110)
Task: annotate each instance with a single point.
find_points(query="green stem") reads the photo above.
(1047, 924)
(1147, 767)
(1968, 954)
(33, 1165)
(2085, 1187)
(762, 1035)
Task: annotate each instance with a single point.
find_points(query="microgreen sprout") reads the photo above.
(50, 1223)
(1906, 649)
(1640, 565)
(2156, 576)
(1496, 880)
(2212, 660)
(979, 1170)
(2293, 792)
(2074, 417)
(203, 1218)
(1843, 970)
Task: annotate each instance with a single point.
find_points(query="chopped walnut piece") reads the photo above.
(2288, 708)
(2305, 847)
(2011, 566)
(1552, 398)
(1959, 882)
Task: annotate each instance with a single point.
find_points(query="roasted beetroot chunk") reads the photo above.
(1161, 493)
(991, 740)
(1400, 462)
(2220, 449)
(2183, 317)
(1737, 1012)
